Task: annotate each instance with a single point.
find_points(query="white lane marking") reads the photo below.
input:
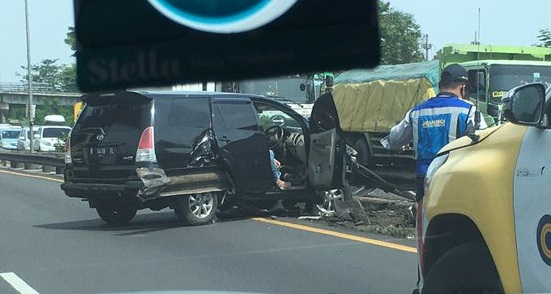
(18, 284)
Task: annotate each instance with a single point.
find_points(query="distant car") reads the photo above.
(54, 120)
(48, 138)
(24, 139)
(8, 137)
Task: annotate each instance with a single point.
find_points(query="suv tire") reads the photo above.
(116, 214)
(196, 209)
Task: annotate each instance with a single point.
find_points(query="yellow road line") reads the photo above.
(30, 175)
(339, 235)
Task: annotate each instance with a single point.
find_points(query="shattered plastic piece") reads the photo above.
(310, 217)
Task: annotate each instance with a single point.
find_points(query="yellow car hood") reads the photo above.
(466, 141)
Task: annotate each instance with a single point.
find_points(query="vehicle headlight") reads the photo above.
(433, 167)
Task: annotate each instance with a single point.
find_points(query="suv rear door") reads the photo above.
(179, 122)
(243, 145)
(105, 137)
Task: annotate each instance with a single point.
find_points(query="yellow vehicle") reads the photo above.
(484, 225)
(77, 108)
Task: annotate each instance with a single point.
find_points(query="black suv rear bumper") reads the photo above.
(87, 190)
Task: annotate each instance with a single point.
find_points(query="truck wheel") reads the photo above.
(363, 156)
(467, 268)
(116, 214)
(196, 209)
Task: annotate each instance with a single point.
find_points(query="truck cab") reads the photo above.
(491, 79)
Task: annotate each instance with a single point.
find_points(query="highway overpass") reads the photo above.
(10, 98)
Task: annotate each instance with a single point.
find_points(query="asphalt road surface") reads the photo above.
(54, 244)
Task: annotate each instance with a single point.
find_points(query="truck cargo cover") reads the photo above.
(375, 100)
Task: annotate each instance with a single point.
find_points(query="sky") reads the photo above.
(502, 23)
(514, 23)
(48, 22)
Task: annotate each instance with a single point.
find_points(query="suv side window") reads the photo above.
(240, 116)
(190, 112)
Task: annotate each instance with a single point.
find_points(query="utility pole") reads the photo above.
(426, 46)
(29, 77)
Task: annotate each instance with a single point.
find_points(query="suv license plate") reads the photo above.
(103, 151)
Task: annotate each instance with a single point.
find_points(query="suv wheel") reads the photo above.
(116, 214)
(197, 209)
(329, 198)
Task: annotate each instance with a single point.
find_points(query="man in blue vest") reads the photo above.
(436, 122)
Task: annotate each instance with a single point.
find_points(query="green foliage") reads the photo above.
(400, 36)
(67, 78)
(43, 73)
(48, 76)
(70, 38)
(18, 113)
(51, 106)
(545, 38)
(60, 147)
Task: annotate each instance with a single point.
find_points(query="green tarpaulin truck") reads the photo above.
(370, 102)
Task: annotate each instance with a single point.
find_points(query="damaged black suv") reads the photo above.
(196, 152)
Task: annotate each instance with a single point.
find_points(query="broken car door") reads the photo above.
(326, 160)
(243, 145)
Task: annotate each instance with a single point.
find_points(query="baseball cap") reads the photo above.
(455, 72)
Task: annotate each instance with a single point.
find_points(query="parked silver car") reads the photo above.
(24, 139)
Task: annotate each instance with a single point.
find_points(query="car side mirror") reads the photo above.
(36, 136)
(524, 104)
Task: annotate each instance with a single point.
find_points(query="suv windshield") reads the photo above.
(120, 110)
(10, 134)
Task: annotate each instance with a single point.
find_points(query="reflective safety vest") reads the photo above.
(437, 122)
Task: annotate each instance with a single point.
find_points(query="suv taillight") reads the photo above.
(146, 147)
(68, 158)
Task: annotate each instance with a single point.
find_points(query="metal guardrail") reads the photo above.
(55, 160)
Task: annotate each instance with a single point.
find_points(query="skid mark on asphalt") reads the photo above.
(17, 283)
(339, 235)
